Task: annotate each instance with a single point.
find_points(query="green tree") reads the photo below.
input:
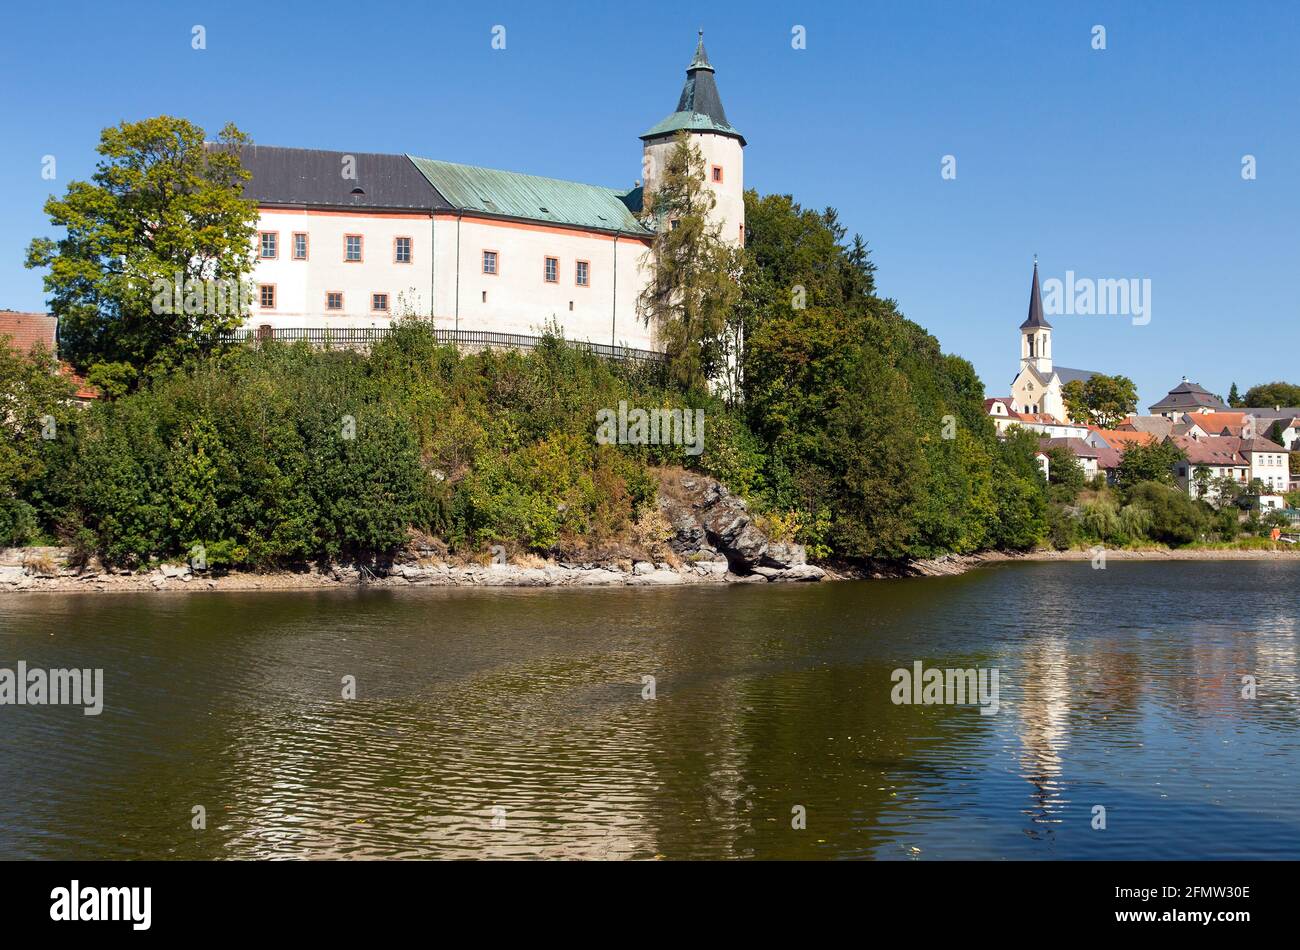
(1100, 400)
(1268, 395)
(36, 418)
(147, 243)
(1234, 398)
(1152, 462)
(692, 289)
(1065, 475)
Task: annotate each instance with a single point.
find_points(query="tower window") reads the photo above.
(717, 174)
(551, 271)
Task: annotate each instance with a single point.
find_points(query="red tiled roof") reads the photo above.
(26, 330)
(1120, 440)
(84, 389)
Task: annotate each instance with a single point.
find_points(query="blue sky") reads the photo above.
(1119, 163)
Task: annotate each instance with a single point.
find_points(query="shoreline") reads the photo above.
(176, 579)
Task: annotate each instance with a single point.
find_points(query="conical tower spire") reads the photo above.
(701, 60)
(1035, 318)
(699, 108)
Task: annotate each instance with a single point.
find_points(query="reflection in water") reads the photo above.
(1044, 721)
(512, 723)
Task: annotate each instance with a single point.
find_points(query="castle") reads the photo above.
(352, 240)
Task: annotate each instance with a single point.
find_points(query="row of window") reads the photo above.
(333, 299)
(268, 247)
(550, 269)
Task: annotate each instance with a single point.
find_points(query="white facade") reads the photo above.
(301, 286)
(724, 172)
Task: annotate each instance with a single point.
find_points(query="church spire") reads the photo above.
(1035, 318)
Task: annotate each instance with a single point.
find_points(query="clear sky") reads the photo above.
(1116, 163)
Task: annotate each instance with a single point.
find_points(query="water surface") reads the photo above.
(499, 723)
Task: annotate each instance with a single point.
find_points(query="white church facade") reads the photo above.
(352, 240)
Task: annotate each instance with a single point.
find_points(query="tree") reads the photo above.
(158, 247)
(1152, 462)
(693, 290)
(35, 418)
(1100, 400)
(1268, 395)
(1201, 479)
(1065, 474)
(1234, 398)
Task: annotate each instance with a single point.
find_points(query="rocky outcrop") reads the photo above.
(708, 521)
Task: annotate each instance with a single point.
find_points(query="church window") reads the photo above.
(490, 262)
(352, 248)
(582, 274)
(552, 270)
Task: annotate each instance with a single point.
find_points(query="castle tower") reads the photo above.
(699, 112)
(1036, 333)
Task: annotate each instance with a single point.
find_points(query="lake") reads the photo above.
(521, 723)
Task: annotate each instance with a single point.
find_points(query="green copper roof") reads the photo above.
(530, 197)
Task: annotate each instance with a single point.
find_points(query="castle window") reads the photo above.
(334, 300)
(582, 274)
(379, 302)
(551, 272)
(352, 248)
(266, 296)
(489, 262)
(717, 174)
(402, 250)
(270, 241)
(299, 246)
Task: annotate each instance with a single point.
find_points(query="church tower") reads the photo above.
(1036, 333)
(699, 112)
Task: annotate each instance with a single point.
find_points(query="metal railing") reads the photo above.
(361, 337)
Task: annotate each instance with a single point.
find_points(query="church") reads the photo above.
(1037, 388)
(351, 240)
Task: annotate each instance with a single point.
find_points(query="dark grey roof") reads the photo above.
(1069, 375)
(314, 177)
(1188, 396)
(1035, 318)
